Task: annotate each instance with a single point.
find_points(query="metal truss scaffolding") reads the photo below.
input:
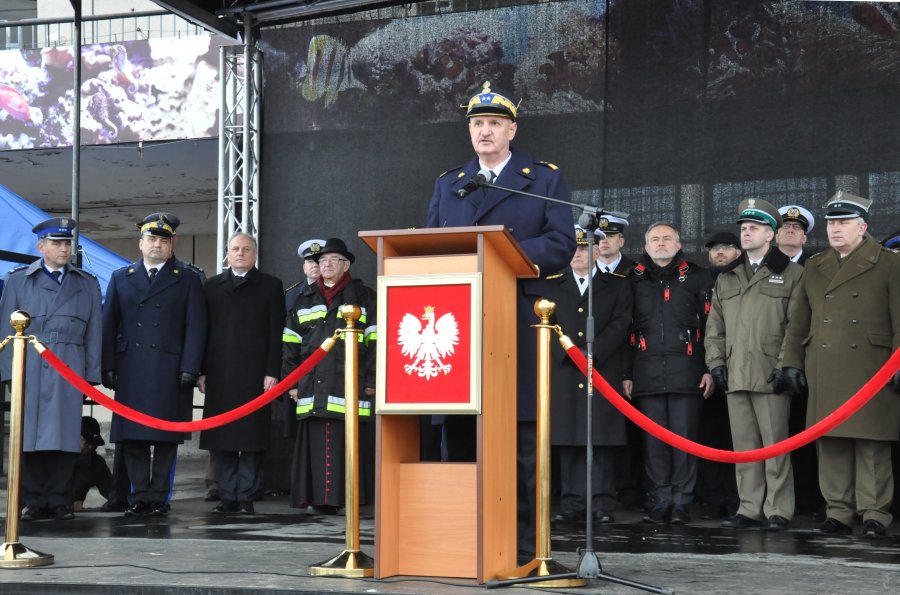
(239, 142)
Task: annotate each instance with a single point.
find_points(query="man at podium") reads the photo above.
(543, 229)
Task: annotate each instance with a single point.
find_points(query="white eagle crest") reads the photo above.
(429, 346)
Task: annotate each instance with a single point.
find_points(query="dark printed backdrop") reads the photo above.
(671, 110)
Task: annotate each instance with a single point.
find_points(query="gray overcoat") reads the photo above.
(66, 317)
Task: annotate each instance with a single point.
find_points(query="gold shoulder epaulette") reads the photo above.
(449, 170)
(556, 276)
(287, 289)
(615, 274)
(548, 164)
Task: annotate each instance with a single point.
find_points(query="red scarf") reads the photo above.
(330, 292)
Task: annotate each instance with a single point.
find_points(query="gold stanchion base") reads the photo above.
(352, 563)
(547, 567)
(16, 555)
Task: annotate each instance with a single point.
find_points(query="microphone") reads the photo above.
(485, 176)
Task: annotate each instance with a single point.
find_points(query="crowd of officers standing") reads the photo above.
(764, 342)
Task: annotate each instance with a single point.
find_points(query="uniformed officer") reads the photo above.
(612, 303)
(629, 474)
(744, 335)
(543, 230)
(154, 332)
(64, 304)
(843, 329)
(307, 251)
(610, 258)
(797, 224)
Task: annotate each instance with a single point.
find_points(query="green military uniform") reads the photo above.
(745, 332)
(844, 327)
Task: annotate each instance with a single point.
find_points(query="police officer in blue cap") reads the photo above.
(545, 231)
(154, 333)
(64, 304)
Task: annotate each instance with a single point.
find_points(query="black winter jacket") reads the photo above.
(670, 308)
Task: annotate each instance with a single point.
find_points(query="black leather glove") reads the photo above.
(108, 379)
(795, 379)
(895, 382)
(779, 386)
(720, 377)
(187, 380)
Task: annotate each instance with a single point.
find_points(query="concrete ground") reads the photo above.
(195, 551)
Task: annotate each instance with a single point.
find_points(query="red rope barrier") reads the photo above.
(834, 419)
(184, 426)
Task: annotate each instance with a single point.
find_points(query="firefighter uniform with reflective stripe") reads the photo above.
(317, 474)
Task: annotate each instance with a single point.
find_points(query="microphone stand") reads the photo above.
(588, 564)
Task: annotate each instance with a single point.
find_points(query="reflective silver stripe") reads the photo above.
(308, 314)
(289, 336)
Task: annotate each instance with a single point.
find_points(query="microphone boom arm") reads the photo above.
(589, 213)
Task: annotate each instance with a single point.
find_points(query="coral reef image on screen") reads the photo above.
(572, 57)
(137, 90)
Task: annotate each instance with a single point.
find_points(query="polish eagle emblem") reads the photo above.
(428, 347)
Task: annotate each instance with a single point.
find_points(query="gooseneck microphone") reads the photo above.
(485, 176)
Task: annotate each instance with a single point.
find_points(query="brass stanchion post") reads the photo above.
(543, 564)
(15, 554)
(351, 562)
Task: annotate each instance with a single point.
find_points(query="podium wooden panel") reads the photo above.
(453, 519)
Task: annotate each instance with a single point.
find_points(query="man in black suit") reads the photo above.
(243, 359)
(612, 302)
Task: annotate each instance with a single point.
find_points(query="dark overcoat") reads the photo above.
(243, 345)
(612, 304)
(67, 318)
(843, 328)
(152, 333)
(544, 230)
(625, 267)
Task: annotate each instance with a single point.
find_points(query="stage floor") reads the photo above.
(195, 551)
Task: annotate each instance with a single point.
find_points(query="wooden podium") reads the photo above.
(452, 519)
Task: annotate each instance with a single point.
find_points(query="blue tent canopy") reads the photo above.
(18, 217)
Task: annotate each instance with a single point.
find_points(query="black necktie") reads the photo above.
(754, 267)
(582, 281)
(152, 274)
(56, 276)
(239, 280)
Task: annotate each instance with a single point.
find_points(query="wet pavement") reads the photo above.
(196, 551)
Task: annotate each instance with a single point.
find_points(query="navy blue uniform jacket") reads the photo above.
(545, 231)
(151, 333)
